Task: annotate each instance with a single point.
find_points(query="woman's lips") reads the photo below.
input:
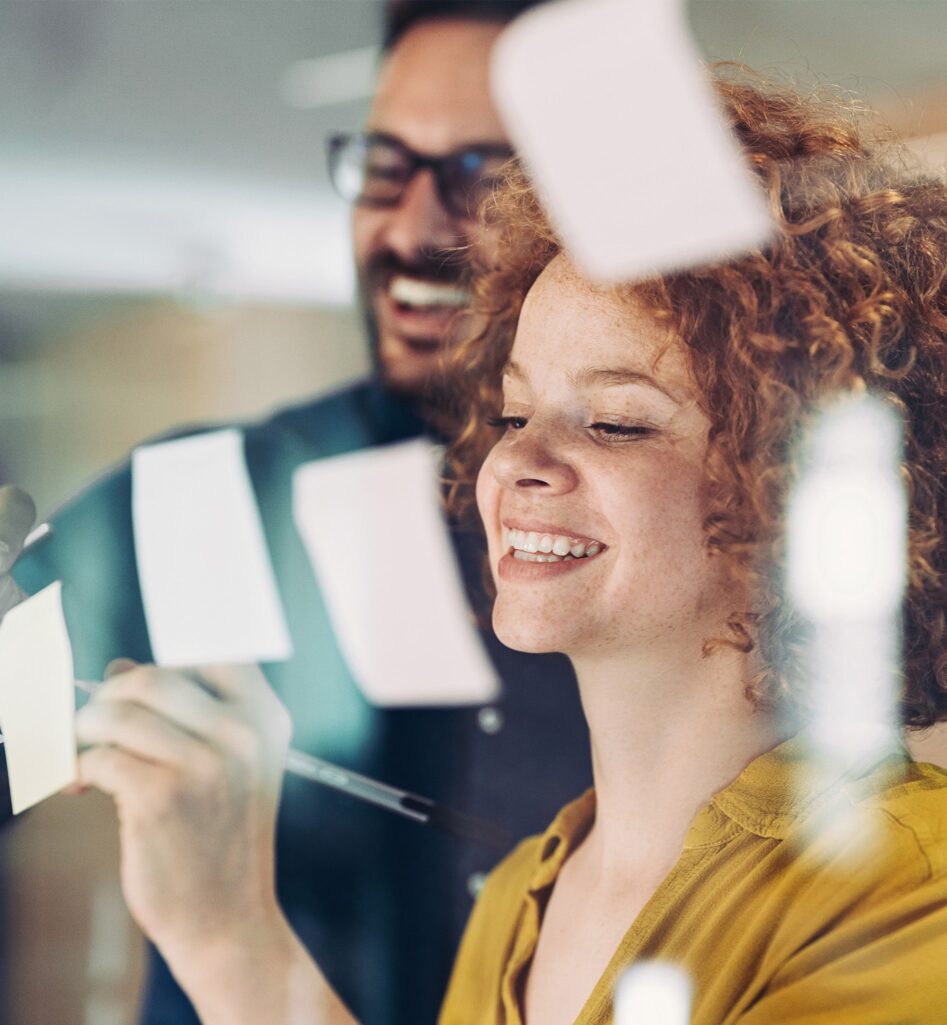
(540, 551)
(553, 541)
(511, 568)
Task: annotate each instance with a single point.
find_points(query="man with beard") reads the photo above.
(379, 900)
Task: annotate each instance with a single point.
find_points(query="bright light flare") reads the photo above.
(653, 993)
(846, 530)
(846, 573)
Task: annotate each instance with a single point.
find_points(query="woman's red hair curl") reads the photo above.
(849, 295)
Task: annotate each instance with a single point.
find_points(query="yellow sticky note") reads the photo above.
(37, 699)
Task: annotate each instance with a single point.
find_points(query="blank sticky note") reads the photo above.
(207, 580)
(373, 527)
(37, 699)
(625, 139)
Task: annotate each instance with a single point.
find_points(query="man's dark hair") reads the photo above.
(400, 15)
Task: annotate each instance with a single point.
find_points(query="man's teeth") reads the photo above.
(419, 293)
(531, 546)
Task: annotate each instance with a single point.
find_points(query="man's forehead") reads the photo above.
(433, 87)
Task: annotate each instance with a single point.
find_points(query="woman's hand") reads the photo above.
(17, 514)
(194, 761)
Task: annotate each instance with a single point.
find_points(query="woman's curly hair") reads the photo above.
(848, 295)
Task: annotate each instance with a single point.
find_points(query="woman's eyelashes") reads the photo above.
(613, 431)
(507, 423)
(609, 431)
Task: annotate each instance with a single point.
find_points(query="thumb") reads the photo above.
(17, 514)
(10, 594)
(118, 665)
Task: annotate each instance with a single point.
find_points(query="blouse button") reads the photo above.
(475, 883)
(490, 720)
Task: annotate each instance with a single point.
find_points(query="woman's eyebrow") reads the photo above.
(512, 369)
(602, 377)
(607, 376)
(595, 375)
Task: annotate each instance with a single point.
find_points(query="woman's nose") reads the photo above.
(533, 458)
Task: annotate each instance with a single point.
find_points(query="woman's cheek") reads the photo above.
(488, 502)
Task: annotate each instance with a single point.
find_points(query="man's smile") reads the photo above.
(422, 294)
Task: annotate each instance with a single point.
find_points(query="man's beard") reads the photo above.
(450, 268)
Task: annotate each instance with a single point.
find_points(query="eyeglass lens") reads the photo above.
(376, 171)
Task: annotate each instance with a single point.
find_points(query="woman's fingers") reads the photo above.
(179, 697)
(194, 764)
(17, 513)
(246, 687)
(116, 772)
(179, 717)
(10, 594)
(137, 729)
(118, 666)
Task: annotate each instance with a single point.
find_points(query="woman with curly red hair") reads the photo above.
(850, 295)
(632, 450)
(634, 508)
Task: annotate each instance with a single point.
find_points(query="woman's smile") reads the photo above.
(538, 551)
(591, 496)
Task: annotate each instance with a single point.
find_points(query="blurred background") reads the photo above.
(170, 251)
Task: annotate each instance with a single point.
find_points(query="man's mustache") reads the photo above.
(450, 267)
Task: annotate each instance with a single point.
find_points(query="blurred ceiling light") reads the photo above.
(124, 229)
(324, 81)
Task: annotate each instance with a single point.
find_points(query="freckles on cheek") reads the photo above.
(487, 498)
(669, 517)
(676, 487)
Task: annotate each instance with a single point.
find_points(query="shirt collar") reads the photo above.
(568, 829)
(786, 783)
(767, 798)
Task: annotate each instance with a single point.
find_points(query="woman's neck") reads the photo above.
(667, 733)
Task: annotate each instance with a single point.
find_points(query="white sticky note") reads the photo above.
(373, 527)
(207, 580)
(37, 699)
(616, 120)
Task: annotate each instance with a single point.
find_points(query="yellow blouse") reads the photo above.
(777, 921)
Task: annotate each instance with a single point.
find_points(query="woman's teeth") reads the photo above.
(531, 546)
(419, 293)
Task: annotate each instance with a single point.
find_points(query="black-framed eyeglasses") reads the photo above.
(374, 169)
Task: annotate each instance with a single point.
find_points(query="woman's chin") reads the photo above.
(528, 637)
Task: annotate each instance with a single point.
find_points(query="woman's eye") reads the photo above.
(620, 431)
(507, 423)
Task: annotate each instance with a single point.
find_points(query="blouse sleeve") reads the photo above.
(884, 961)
